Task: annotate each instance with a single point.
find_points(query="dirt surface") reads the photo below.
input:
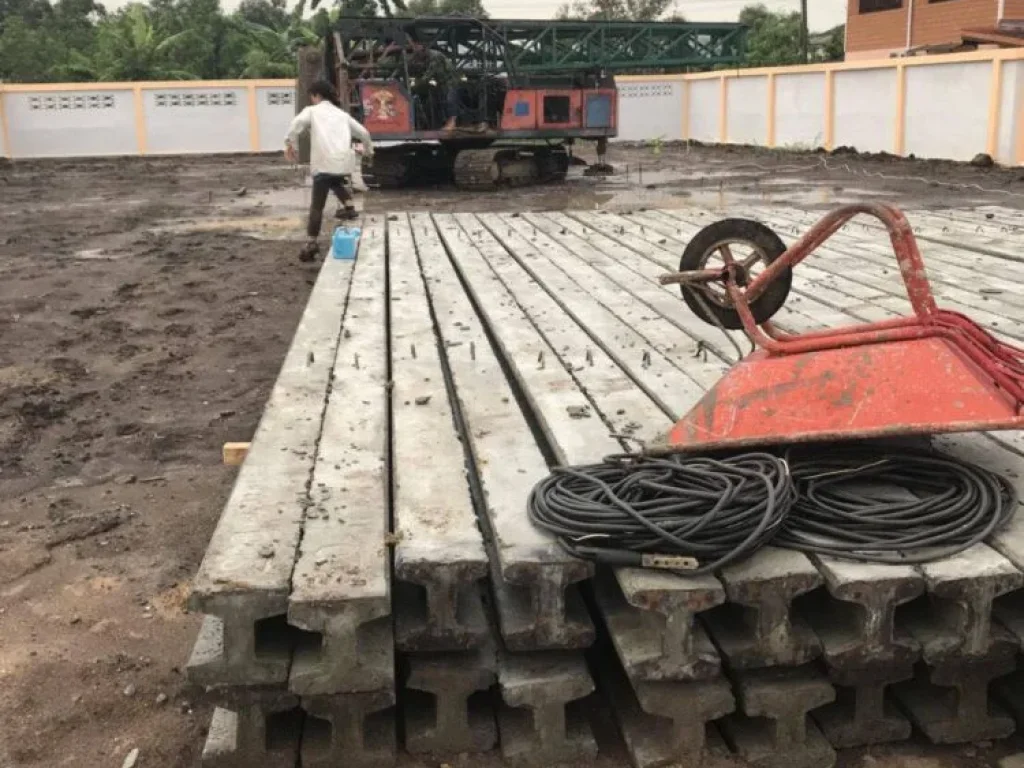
(145, 306)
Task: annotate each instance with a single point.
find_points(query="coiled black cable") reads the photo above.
(661, 512)
(698, 514)
(901, 507)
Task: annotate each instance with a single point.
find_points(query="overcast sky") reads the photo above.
(824, 13)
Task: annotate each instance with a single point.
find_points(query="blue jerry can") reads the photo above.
(345, 242)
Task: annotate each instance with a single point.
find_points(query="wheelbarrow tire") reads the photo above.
(735, 231)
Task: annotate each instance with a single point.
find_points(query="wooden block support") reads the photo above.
(235, 453)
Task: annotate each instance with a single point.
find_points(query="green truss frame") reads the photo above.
(550, 47)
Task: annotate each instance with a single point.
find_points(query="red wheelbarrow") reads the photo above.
(931, 372)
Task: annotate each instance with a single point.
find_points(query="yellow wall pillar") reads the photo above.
(723, 110)
(899, 141)
(1019, 153)
(140, 119)
(5, 130)
(254, 120)
(686, 110)
(995, 101)
(769, 133)
(830, 109)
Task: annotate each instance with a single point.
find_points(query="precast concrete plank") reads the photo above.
(534, 580)
(341, 586)
(439, 550)
(245, 576)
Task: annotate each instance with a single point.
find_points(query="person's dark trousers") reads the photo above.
(452, 102)
(323, 183)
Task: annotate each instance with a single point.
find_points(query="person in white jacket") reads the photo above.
(332, 159)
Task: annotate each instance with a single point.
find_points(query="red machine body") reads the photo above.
(489, 103)
(526, 113)
(934, 371)
(387, 110)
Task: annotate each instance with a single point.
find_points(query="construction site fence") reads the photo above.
(951, 106)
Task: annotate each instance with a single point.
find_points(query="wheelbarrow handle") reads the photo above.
(904, 245)
(694, 277)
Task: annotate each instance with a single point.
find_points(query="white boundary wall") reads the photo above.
(82, 120)
(953, 106)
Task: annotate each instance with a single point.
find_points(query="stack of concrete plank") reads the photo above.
(376, 549)
(297, 644)
(448, 655)
(542, 622)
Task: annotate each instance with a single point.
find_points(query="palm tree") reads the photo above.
(368, 8)
(128, 47)
(271, 52)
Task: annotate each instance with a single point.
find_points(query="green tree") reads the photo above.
(773, 39)
(272, 14)
(835, 48)
(367, 7)
(210, 53)
(129, 47)
(362, 8)
(271, 52)
(24, 51)
(613, 10)
(472, 8)
(28, 14)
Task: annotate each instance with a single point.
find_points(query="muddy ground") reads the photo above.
(145, 306)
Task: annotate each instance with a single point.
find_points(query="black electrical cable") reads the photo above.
(698, 514)
(688, 513)
(900, 506)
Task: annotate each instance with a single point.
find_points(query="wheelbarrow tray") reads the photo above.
(919, 386)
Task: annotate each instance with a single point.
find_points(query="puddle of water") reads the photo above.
(96, 254)
(683, 188)
(286, 199)
(257, 227)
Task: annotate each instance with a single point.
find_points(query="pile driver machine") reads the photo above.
(499, 103)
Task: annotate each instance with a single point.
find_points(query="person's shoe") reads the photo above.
(309, 251)
(483, 127)
(346, 213)
(449, 126)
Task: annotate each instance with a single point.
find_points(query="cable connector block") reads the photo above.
(669, 562)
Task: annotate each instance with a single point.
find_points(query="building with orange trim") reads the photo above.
(879, 28)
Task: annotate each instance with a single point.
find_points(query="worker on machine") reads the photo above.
(432, 67)
(332, 159)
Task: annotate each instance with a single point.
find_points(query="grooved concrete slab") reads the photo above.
(350, 729)
(540, 724)
(757, 626)
(245, 576)
(775, 729)
(538, 605)
(439, 546)
(455, 711)
(562, 347)
(341, 583)
(862, 714)
(956, 621)
(659, 639)
(950, 701)
(573, 363)
(255, 726)
(856, 618)
(665, 724)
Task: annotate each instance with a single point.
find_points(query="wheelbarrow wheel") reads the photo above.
(752, 246)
